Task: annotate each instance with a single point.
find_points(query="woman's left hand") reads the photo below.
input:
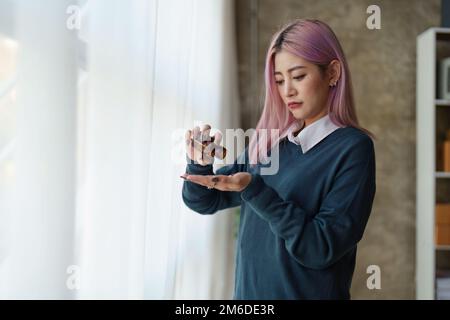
(236, 182)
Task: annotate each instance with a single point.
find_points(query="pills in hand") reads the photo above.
(210, 148)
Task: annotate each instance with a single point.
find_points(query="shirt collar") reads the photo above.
(312, 134)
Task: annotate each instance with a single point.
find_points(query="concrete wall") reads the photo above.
(383, 67)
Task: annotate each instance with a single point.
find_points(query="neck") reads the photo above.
(315, 118)
(298, 131)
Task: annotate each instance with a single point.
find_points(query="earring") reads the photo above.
(333, 84)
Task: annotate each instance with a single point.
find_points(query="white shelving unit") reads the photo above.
(428, 105)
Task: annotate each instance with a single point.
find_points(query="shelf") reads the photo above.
(442, 102)
(430, 128)
(442, 34)
(442, 174)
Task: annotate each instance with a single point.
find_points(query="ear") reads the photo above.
(334, 72)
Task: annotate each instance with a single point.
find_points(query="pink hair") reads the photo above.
(315, 42)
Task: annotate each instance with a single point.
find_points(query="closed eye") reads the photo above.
(299, 78)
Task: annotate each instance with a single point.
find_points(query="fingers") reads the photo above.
(193, 145)
(196, 133)
(188, 136)
(217, 138)
(188, 141)
(219, 182)
(203, 148)
(205, 133)
(199, 179)
(219, 151)
(197, 140)
(236, 182)
(189, 144)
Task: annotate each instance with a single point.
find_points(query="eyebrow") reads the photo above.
(291, 69)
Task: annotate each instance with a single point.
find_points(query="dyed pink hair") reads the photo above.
(315, 42)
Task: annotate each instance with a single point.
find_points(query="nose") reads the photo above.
(289, 90)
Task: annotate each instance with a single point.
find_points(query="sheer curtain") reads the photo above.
(104, 210)
(40, 191)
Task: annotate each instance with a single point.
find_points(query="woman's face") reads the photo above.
(302, 82)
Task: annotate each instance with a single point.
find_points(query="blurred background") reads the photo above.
(95, 97)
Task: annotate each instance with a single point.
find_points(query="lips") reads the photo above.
(295, 105)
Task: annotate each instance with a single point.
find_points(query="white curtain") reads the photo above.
(41, 194)
(108, 221)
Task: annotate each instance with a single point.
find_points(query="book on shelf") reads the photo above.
(443, 284)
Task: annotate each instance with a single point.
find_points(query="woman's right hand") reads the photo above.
(200, 146)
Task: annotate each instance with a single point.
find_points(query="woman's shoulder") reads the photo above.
(352, 139)
(355, 135)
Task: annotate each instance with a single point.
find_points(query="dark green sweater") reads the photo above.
(300, 227)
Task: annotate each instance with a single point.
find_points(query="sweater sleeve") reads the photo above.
(209, 201)
(339, 224)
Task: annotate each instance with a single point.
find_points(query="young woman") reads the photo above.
(299, 228)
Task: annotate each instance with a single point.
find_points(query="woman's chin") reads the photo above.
(297, 114)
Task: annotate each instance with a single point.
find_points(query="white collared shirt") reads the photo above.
(312, 134)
